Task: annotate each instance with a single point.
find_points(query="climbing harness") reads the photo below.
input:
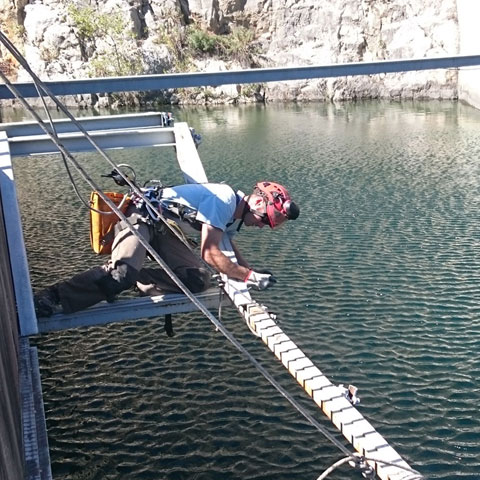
(181, 213)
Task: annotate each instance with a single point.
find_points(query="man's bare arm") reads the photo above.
(211, 253)
(241, 261)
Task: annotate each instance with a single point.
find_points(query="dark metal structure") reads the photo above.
(11, 444)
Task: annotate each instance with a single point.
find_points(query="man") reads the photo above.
(211, 209)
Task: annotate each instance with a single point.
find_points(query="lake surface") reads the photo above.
(378, 283)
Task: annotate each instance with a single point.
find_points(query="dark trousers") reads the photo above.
(126, 269)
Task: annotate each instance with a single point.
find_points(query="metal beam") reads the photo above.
(107, 139)
(132, 309)
(255, 75)
(116, 131)
(64, 125)
(16, 245)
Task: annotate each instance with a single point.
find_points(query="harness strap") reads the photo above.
(178, 212)
(246, 209)
(135, 218)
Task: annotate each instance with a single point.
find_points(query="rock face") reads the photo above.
(147, 36)
(469, 79)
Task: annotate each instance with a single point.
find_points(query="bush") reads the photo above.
(119, 58)
(238, 44)
(184, 43)
(202, 41)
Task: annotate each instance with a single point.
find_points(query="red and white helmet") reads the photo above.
(279, 205)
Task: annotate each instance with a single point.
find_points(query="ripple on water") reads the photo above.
(377, 283)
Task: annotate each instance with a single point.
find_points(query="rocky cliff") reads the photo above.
(81, 38)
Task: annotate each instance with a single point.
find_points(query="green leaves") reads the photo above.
(116, 57)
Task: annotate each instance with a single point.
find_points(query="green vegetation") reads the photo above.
(239, 45)
(84, 19)
(15, 32)
(116, 58)
(236, 46)
(188, 42)
(251, 89)
(201, 41)
(107, 42)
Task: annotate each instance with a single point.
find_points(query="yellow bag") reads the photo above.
(102, 226)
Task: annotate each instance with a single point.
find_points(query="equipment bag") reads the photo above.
(102, 226)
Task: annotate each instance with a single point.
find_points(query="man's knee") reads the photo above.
(195, 279)
(120, 278)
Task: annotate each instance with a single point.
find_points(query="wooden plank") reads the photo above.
(332, 400)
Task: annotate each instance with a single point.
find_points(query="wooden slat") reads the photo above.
(330, 398)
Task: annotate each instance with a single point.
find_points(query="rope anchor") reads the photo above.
(356, 461)
(361, 464)
(350, 394)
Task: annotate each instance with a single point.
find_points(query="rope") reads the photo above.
(219, 326)
(333, 467)
(38, 83)
(360, 462)
(67, 155)
(64, 160)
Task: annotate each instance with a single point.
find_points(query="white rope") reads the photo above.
(333, 467)
(360, 462)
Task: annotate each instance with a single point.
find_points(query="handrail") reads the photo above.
(254, 75)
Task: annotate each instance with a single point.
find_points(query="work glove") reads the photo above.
(260, 280)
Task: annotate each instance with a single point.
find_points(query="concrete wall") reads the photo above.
(469, 39)
(11, 449)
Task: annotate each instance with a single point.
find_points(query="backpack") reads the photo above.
(102, 226)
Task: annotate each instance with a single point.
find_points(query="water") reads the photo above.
(378, 284)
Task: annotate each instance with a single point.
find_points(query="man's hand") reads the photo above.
(259, 280)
